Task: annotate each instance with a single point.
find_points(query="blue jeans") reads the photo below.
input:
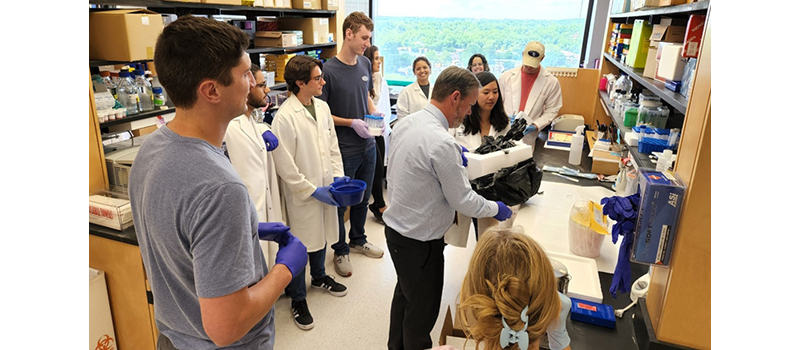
(297, 287)
(359, 166)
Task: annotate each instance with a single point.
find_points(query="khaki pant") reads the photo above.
(486, 223)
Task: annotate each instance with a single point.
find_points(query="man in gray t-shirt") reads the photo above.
(349, 79)
(196, 226)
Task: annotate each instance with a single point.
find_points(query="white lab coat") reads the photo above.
(473, 141)
(412, 100)
(248, 154)
(544, 100)
(308, 157)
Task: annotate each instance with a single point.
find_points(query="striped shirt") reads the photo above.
(427, 183)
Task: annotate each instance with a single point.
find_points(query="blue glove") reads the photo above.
(323, 194)
(529, 129)
(340, 180)
(273, 231)
(463, 157)
(624, 211)
(293, 254)
(270, 140)
(503, 212)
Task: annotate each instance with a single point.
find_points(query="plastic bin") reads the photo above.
(101, 326)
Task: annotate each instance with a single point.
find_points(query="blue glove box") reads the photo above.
(654, 235)
(593, 313)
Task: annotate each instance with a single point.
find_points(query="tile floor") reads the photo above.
(360, 320)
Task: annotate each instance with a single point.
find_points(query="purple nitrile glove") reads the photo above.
(463, 157)
(323, 194)
(361, 128)
(503, 212)
(270, 140)
(273, 231)
(380, 114)
(293, 254)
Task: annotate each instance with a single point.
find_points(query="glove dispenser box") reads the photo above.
(659, 211)
(482, 164)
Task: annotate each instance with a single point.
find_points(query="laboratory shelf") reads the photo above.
(641, 160)
(291, 49)
(136, 117)
(685, 9)
(278, 86)
(674, 99)
(194, 7)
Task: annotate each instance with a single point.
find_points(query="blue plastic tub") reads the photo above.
(350, 193)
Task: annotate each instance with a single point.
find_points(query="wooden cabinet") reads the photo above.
(679, 298)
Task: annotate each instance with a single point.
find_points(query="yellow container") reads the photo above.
(640, 42)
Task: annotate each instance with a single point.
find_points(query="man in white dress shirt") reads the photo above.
(427, 185)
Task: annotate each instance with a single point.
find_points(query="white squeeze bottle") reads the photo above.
(576, 147)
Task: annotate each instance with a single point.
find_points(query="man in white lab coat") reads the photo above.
(530, 88)
(308, 161)
(246, 145)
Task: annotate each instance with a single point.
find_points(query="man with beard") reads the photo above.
(248, 144)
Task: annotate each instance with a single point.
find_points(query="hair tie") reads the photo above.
(510, 336)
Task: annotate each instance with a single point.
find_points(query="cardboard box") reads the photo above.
(101, 325)
(315, 30)
(449, 329)
(264, 3)
(123, 35)
(694, 35)
(640, 4)
(662, 195)
(670, 63)
(605, 163)
(307, 4)
(651, 65)
(667, 34)
(222, 2)
(330, 5)
(640, 42)
(670, 2)
(285, 4)
(275, 39)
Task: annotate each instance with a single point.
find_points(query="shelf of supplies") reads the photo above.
(674, 99)
(257, 10)
(700, 6)
(278, 86)
(642, 160)
(292, 49)
(136, 117)
(98, 63)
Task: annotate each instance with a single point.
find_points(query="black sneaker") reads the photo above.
(302, 317)
(327, 282)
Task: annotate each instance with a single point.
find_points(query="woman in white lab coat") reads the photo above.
(308, 157)
(415, 97)
(487, 119)
(257, 170)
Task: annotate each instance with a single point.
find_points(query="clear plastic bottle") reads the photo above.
(624, 83)
(159, 100)
(127, 94)
(110, 86)
(145, 91)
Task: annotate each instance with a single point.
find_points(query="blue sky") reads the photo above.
(484, 9)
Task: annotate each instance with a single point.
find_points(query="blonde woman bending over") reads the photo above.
(509, 298)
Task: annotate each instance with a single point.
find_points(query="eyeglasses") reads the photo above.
(262, 85)
(319, 77)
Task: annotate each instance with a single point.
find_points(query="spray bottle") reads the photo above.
(576, 147)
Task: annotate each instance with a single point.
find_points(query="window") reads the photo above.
(448, 33)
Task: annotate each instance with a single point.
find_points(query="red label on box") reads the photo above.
(694, 34)
(587, 307)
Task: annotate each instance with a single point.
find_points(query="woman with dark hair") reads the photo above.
(417, 95)
(380, 90)
(487, 118)
(477, 63)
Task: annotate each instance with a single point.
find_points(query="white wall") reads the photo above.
(597, 30)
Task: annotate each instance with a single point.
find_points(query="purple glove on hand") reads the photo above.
(503, 212)
(273, 231)
(380, 114)
(463, 157)
(361, 128)
(293, 254)
(270, 140)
